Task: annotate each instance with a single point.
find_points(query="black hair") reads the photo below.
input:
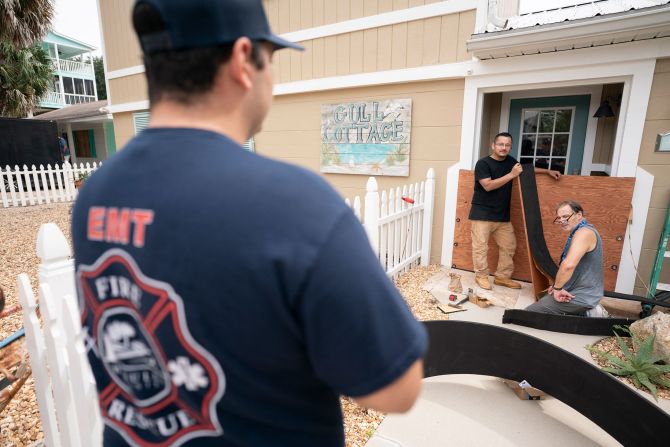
(574, 206)
(503, 134)
(182, 75)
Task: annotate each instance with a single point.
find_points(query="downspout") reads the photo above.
(493, 17)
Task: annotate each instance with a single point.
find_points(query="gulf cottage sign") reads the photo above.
(369, 138)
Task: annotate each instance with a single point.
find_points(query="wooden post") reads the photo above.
(371, 220)
(56, 269)
(428, 210)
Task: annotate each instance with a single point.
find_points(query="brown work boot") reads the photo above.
(483, 282)
(506, 282)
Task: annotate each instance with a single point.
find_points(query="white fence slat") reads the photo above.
(383, 230)
(38, 190)
(82, 382)
(26, 175)
(59, 182)
(429, 209)
(45, 185)
(52, 184)
(12, 191)
(19, 182)
(37, 351)
(371, 213)
(357, 208)
(68, 180)
(3, 192)
(50, 307)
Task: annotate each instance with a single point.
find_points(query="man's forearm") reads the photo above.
(563, 276)
(498, 183)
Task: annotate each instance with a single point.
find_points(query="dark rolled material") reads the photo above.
(458, 347)
(569, 324)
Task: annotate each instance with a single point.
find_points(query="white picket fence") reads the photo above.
(64, 384)
(399, 222)
(34, 186)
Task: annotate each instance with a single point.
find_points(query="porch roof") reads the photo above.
(590, 24)
(77, 112)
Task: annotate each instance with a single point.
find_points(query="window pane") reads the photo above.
(89, 87)
(528, 145)
(79, 86)
(547, 121)
(560, 145)
(563, 120)
(524, 160)
(530, 121)
(542, 163)
(558, 164)
(67, 85)
(544, 144)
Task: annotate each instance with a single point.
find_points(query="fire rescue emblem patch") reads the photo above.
(157, 386)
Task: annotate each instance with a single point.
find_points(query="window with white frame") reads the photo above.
(545, 137)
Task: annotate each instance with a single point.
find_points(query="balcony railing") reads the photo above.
(52, 98)
(80, 68)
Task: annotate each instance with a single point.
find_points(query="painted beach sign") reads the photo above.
(368, 138)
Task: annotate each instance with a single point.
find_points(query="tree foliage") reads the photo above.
(25, 22)
(99, 68)
(24, 78)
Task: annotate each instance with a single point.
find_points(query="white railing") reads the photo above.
(64, 384)
(34, 186)
(399, 222)
(76, 67)
(72, 98)
(53, 98)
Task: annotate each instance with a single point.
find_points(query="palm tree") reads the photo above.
(24, 22)
(24, 78)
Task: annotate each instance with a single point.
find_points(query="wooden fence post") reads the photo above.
(428, 211)
(56, 269)
(371, 213)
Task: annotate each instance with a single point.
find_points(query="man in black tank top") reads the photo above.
(489, 214)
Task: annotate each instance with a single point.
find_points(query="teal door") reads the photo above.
(550, 132)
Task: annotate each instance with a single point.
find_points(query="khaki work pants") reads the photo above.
(503, 234)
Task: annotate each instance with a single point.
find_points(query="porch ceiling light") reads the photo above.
(604, 111)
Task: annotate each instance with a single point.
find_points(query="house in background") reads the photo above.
(72, 100)
(471, 68)
(74, 77)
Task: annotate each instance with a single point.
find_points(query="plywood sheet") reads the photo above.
(606, 202)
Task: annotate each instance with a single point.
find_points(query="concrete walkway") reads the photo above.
(468, 410)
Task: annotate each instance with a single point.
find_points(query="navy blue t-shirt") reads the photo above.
(492, 205)
(228, 299)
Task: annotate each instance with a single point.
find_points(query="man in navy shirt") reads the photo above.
(228, 299)
(489, 213)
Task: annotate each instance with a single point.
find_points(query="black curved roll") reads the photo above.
(458, 347)
(534, 229)
(569, 324)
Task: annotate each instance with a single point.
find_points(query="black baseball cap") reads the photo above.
(205, 23)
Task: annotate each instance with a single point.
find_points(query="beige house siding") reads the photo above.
(129, 88)
(286, 16)
(292, 133)
(658, 164)
(124, 128)
(121, 47)
(437, 40)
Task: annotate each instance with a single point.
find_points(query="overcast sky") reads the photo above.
(78, 19)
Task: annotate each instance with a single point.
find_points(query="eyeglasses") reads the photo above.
(503, 145)
(561, 219)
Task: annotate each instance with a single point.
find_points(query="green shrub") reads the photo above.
(642, 367)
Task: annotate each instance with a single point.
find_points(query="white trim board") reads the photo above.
(349, 26)
(446, 71)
